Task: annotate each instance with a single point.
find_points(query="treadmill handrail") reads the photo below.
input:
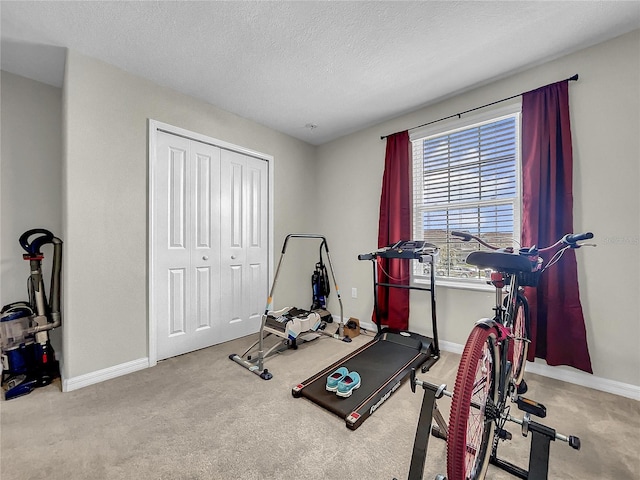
(398, 252)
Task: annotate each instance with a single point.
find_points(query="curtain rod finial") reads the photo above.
(574, 78)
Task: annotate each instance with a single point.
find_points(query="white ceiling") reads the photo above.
(342, 66)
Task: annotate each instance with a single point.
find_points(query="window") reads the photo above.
(466, 177)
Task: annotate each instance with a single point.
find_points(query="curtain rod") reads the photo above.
(570, 79)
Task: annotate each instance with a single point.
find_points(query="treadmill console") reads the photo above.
(410, 249)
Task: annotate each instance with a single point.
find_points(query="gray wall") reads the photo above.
(105, 201)
(605, 108)
(333, 190)
(30, 178)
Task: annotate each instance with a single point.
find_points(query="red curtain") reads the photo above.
(557, 322)
(395, 225)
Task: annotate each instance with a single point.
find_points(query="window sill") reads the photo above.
(480, 286)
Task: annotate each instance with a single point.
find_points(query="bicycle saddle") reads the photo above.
(500, 261)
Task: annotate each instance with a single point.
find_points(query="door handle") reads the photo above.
(233, 257)
(204, 257)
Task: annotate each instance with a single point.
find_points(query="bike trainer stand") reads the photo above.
(541, 437)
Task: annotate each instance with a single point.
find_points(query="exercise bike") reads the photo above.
(490, 376)
(28, 359)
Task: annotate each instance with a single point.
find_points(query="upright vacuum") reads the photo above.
(28, 359)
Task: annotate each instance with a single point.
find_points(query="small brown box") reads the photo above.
(352, 327)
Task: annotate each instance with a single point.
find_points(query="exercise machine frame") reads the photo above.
(387, 360)
(541, 437)
(255, 362)
(500, 378)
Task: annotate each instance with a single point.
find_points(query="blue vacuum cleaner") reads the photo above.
(28, 359)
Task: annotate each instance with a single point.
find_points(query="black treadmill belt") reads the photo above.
(378, 365)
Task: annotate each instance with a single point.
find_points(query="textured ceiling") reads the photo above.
(342, 66)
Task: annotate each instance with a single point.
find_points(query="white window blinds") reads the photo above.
(467, 179)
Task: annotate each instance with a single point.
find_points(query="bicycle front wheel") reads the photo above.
(471, 421)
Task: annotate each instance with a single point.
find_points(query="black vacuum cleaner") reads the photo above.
(28, 359)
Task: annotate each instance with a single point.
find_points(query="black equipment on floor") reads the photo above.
(541, 435)
(291, 323)
(386, 361)
(28, 360)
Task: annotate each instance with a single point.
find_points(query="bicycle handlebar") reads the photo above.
(570, 239)
(506, 260)
(464, 236)
(467, 237)
(576, 237)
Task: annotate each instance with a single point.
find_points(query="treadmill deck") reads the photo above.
(382, 364)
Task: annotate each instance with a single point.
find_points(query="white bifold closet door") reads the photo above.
(210, 242)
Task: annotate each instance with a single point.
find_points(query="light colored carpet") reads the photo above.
(201, 416)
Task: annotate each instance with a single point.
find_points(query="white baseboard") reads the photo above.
(74, 383)
(451, 347)
(540, 368)
(586, 380)
(576, 377)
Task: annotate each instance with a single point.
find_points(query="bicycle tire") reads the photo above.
(471, 420)
(519, 344)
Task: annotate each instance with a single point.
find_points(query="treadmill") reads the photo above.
(386, 361)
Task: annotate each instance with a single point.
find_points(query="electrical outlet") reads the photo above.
(354, 293)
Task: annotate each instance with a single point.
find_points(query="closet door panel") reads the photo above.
(205, 248)
(171, 244)
(244, 247)
(210, 244)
